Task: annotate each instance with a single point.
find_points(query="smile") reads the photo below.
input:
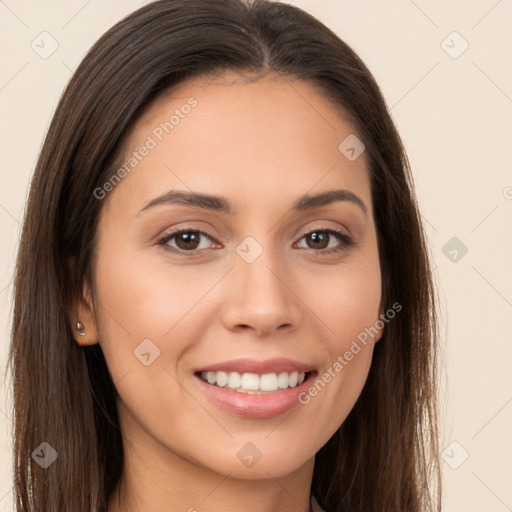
(255, 389)
(253, 383)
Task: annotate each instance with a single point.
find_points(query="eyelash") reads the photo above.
(346, 240)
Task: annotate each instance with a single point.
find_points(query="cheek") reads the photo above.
(145, 318)
(138, 301)
(347, 300)
(347, 304)
(148, 304)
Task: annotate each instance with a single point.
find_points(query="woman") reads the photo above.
(227, 303)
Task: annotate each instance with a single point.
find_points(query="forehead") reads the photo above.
(243, 135)
(242, 101)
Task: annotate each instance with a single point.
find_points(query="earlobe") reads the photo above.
(83, 320)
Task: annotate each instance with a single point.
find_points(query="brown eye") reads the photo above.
(185, 241)
(318, 240)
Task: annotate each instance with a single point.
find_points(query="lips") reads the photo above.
(253, 376)
(255, 389)
(276, 365)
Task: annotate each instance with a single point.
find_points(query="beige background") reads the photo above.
(455, 117)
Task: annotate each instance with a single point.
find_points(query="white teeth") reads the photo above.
(282, 380)
(268, 382)
(253, 383)
(234, 380)
(222, 379)
(250, 381)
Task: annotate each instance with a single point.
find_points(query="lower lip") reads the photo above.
(255, 406)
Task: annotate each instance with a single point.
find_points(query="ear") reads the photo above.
(378, 336)
(83, 312)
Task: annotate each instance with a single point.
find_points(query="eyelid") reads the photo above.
(323, 227)
(344, 238)
(163, 239)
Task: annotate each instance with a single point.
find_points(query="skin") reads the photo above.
(262, 145)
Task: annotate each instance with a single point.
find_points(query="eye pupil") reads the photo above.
(188, 237)
(318, 236)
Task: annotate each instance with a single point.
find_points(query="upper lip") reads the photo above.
(276, 365)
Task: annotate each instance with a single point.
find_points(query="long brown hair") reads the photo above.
(385, 455)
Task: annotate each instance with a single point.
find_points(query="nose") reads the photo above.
(262, 298)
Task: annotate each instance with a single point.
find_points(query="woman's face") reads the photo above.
(258, 289)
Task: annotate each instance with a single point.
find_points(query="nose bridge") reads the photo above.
(262, 297)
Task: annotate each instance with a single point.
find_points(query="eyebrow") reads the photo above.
(221, 204)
